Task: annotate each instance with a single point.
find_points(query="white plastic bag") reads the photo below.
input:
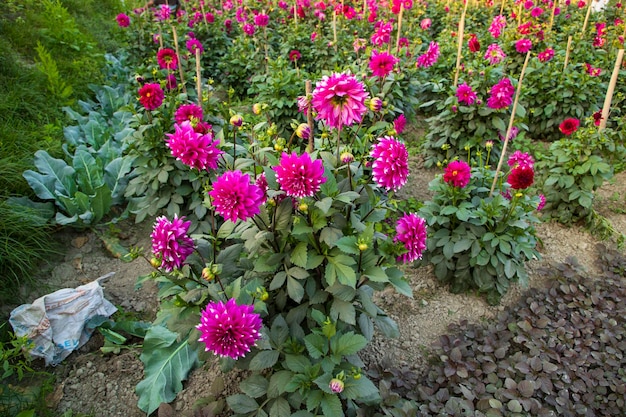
(55, 323)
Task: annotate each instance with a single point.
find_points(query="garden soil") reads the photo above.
(103, 385)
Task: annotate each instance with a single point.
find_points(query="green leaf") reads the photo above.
(255, 386)
(376, 274)
(166, 364)
(242, 404)
(331, 406)
(330, 236)
(324, 204)
(264, 359)
(298, 255)
(297, 363)
(462, 245)
(280, 408)
(295, 289)
(348, 244)
(360, 388)
(401, 285)
(277, 383)
(316, 345)
(349, 344)
(344, 311)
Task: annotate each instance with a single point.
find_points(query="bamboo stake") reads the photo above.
(460, 44)
(198, 77)
(335, 28)
(582, 32)
(399, 28)
(569, 44)
(609, 91)
(510, 127)
(309, 115)
(295, 13)
(180, 61)
(519, 14)
(502, 7)
(554, 2)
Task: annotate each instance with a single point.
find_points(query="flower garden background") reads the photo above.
(266, 142)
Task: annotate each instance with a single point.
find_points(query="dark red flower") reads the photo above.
(294, 55)
(597, 118)
(569, 126)
(151, 96)
(521, 177)
(473, 43)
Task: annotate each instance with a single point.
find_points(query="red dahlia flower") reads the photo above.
(521, 177)
(569, 126)
(457, 174)
(151, 96)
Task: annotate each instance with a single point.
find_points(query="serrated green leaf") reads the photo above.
(316, 345)
(349, 343)
(360, 388)
(343, 310)
(277, 383)
(348, 244)
(280, 408)
(324, 204)
(255, 386)
(295, 289)
(402, 286)
(331, 406)
(376, 274)
(298, 255)
(264, 359)
(166, 364)
(242, 404)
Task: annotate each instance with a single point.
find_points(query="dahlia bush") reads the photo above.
(479, 240)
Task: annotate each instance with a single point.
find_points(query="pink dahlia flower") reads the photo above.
(194, 149)
(193, 45)
(457, 174)
(465, 94)
(234, 197)
(248, 29)
(339, 99)
(188, 112)
(399, 124)
(123, 20)
(382, 63)
(429, 58)
(523, 45)
(519, 158)
(546, 55)
(261, 19)
(171, 82)
(501, 94)
(151, 96)
(494, 54)
(542, 202)
(390, 168)
(229, 329)
(167, 58)
(497, 25)
(411, 231)
(299, 176)
(170, 242)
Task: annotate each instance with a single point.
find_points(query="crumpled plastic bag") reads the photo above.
(55, 323)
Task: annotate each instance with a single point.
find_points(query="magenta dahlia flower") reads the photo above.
(170, 242)
(248, 29)
(123, 20)
(519, 158)
(546, 55)
(193, 45)
(390, 168)
(261, 19)
(382, 63)
(457, 174)
(523, 45)
(465, 94)
(339, 99)
(542, 202)
(299, 176)
(167, 58)
(188, 112)
(411, 231)
(494, 54)
(229, 329)
(234, 197)
(501, 94)
(497, 25)
(151, 96)
(429, 57)
(399, 124)
(194, 149)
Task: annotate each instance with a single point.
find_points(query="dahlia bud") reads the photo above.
(375, 104)
(207, 274)
(236, 120)
(155, 262)
(362, 246)
(303, 207)
(278, 147)
(346, 157)
(489, 144)
(303, 131)
(256, 108)
(454, 108)
(336, 385)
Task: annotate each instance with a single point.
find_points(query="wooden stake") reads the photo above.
(554, 2)
(295, 13)
(510, 127)
(399, 28)
(609, 91)
(459, 51)
(335, 28)
(569, 44)
(198, 77)
(180, 61)
(582, 32)
(502, 7)
(309, 115)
